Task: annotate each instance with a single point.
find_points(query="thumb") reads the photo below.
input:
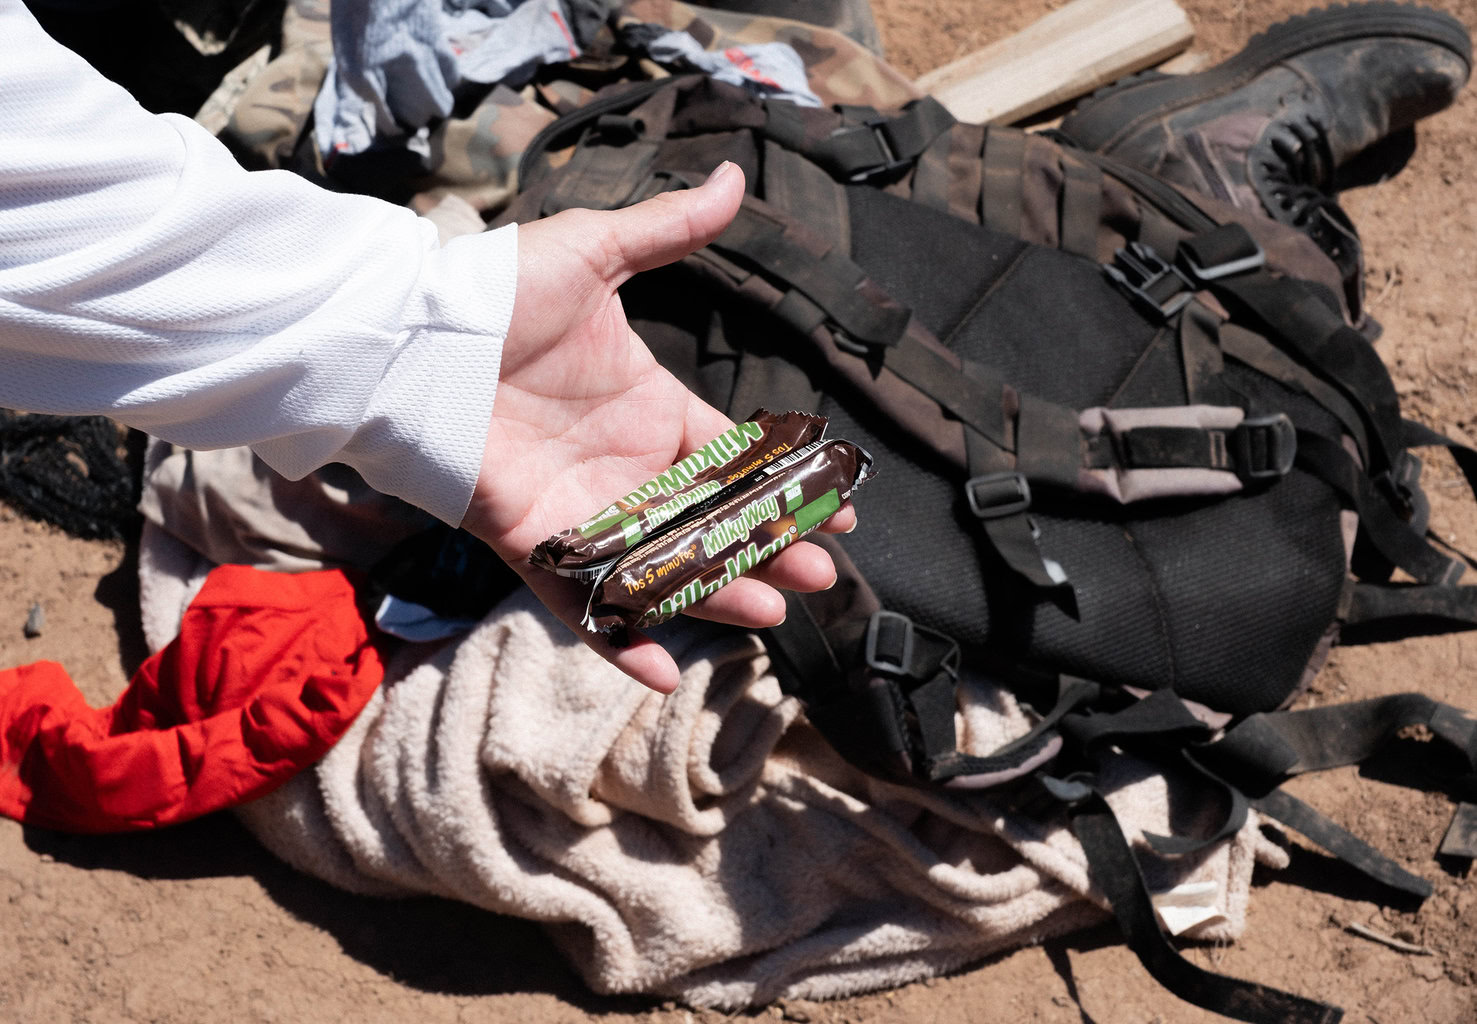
(667, 227)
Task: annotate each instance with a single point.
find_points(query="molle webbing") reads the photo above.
(1081, 205)
(856, 152)
(822, 274)
(1002, 190)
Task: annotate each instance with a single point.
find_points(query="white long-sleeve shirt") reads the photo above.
(146, 276)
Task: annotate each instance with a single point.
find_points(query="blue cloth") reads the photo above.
(397, 63)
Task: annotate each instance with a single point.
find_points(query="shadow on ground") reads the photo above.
(407, 940)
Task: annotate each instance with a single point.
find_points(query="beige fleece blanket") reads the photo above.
(706, 846)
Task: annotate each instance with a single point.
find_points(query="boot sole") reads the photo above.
(1118, 110)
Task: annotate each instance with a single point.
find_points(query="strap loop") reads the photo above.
(996, 495)
(1227, 250)
(1263, 447)
(880, 145)
(889, 643)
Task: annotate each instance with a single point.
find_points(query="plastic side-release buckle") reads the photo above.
(1149, 279)
(1263, 447)
(996, 495)
(889, 644)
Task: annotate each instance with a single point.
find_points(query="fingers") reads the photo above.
(643, 659)
(746, 602)
(801, 566)
(844, 521)
(755, 602)
(667, 227)
(701, 424)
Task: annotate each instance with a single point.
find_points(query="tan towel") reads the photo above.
(707, 846)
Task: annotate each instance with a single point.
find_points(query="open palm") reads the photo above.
(584, 413)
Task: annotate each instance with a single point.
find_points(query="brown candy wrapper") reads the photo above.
(585, 551)
(780, 503)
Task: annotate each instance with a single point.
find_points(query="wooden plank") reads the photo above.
(1068, 53)
(1186, 63)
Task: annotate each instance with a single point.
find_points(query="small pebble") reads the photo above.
(35, 621)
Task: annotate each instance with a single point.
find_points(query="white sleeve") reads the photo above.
(145, 275)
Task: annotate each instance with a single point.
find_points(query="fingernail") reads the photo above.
(850, 528)
(719, 171)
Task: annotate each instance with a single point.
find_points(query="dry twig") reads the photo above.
(1388, 940)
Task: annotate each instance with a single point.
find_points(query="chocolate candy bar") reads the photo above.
(779, 504)
(585, 550)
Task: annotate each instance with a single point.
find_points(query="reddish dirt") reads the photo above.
(199, 924)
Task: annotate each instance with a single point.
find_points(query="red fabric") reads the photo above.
(268, 671)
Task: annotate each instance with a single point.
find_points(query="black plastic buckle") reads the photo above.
(890, 161)
(898, 659)
(996, 495)
(1155, 283)
(1236, 265)
(1263, 447)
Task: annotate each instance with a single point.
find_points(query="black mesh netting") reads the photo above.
(70, 471)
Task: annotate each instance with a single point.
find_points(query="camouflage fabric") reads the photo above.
(273, 110)
(852, 18)
(840, 69)
(476, 156)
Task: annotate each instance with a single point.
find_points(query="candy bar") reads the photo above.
(776, 506)
(584, 551)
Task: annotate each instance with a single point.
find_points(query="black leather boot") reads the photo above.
(1271, 127)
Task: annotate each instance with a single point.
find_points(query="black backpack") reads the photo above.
(1134, 459)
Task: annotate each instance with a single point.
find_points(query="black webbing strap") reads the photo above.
(1002, 187)
(1157, 724)
(1257, 448)
(1391, 535)
(1378, 612)
(830, 280)
(1418, 435)
(1159, 716)
(1311, 331)
(817, 654)
(884, 691)
(877, 146)
(1081, 207)
(1006, 761)
(1350, 849)
(922, 666)
(1200, 352)
(1265, 749)
(975, 397)
(1000, 498)
(1116, 872)
(1255, 351)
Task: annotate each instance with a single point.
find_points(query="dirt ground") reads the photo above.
(198, 924)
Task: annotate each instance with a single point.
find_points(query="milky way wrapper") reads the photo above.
(776, 506)
(585, 551)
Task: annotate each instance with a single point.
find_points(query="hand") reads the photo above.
(584, 413)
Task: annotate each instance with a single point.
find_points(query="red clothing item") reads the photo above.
(268, 671)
